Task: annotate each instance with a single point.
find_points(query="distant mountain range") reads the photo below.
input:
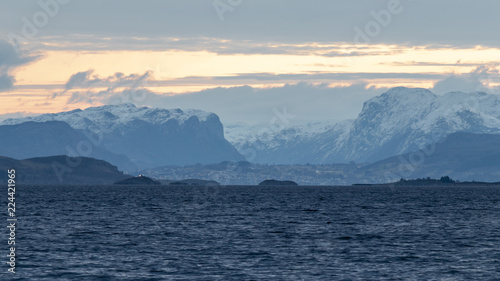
(40, 139)
(462, 156)
(124, 135)
(397, 122)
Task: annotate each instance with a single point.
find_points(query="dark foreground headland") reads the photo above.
(61, 170)
(64, 170)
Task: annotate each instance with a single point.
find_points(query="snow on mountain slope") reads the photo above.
(396, 122)
(150, 137)
(302, 143)
(43, 139)
(109, 117)
(404, 120)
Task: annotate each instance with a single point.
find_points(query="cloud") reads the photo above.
(108, 96)
(221, 46)
(309, 102)
(478, 80)
(453, 22)
(333, 54)
(313, 77)
(88, 81)
(6, 82)
(343, 76)
(422, 63)
(9, 60)
(16, 115)
(251, 105)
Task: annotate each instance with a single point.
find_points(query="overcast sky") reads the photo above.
(422, 22)
(241, 58)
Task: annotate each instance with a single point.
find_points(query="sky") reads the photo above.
(242, 59)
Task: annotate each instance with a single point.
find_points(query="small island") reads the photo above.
(277, 183)
(443, 181)
(427, 181)
(140, 180)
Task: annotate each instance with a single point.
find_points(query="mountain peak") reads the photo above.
(401, 104)
(398, 99)
(462, 95)
(149, 137)
(407, 92)
(398, 121)
(121, 105)
(108, 116)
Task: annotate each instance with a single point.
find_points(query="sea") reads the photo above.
(254, 233)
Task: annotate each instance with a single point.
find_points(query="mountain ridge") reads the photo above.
(398, 121)
(149, 137)
(61, 170)
(42, 139)
(462, 156)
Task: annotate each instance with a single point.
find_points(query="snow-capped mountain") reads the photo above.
(403, 120)
(110, 117)
(398, 121)
(303, 143)
(150, 137)
(35, 139)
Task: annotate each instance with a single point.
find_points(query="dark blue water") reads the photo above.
(256, 233)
